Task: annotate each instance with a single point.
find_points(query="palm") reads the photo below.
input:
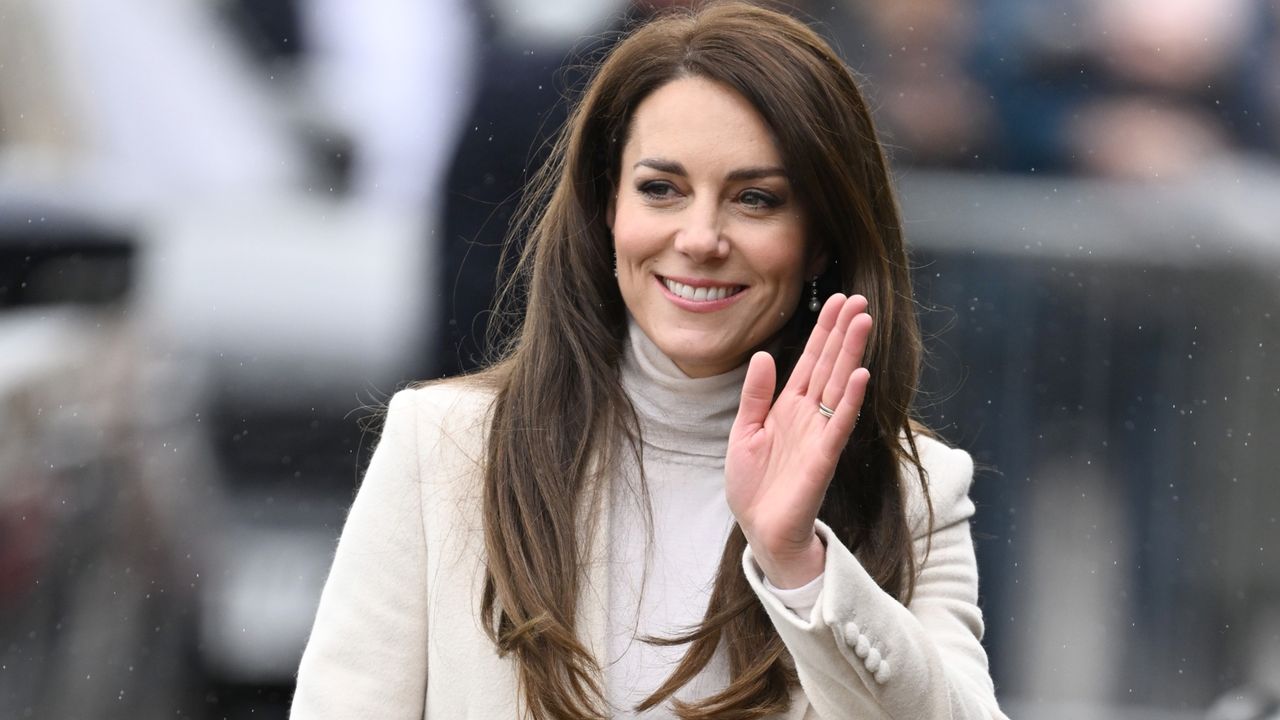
(782, 453)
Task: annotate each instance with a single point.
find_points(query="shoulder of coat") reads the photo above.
(464, 403)
(948, 474)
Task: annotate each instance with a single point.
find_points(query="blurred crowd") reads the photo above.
(225, 224)
(301, 91)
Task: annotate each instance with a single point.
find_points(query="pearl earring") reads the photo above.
(814, 304)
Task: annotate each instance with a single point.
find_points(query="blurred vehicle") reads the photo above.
(266, 299)
(99, 474)
(302, 317)
(178, 445)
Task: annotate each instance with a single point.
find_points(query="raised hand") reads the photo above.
(782, 454)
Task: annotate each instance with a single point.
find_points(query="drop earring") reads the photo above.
(814, 304)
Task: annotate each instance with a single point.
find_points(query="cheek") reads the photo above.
(635, 238)
(787, 266)
(633, 248)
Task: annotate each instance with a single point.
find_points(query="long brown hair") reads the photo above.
(561, 419)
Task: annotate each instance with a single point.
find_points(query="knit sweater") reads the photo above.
(660, 581)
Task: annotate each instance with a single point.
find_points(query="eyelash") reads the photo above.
(767, 201)
(660, 190)
(651, 188)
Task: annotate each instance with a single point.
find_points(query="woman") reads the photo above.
(690, 488)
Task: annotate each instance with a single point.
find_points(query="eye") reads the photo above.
(759, 199)
(657, 190)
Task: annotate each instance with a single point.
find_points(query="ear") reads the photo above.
(817, 264)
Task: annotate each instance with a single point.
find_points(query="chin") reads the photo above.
(703, 363)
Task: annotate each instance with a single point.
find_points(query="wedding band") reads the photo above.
(826, 411)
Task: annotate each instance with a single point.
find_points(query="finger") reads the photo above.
(850, 358)
(859, 302)
(830, 351)
(799, 380)
(833, 384)
(757, 393)
(836, 434)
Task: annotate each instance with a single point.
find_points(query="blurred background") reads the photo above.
(230, 229)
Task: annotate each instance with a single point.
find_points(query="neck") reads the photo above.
(679, 413)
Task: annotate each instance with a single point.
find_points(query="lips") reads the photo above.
(701, 292)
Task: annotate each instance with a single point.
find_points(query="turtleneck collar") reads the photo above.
(679, 413)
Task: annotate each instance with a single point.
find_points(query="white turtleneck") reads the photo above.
(659, 585)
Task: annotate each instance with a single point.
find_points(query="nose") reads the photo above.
(700, 236)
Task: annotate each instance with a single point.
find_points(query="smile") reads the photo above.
(701, 293)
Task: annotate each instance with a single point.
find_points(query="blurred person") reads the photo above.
(1130, 89)
(918, 55)
(1179, 68)
(631, 512)
(516, 108)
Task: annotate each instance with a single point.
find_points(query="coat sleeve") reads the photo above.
(862, 654)
(367, 654)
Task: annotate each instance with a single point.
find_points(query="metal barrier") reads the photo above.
(1107, 352)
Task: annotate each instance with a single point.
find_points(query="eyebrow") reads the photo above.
(675, 168)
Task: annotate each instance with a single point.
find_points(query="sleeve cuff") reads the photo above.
(801, 600)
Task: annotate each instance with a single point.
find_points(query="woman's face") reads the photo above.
(708, 231)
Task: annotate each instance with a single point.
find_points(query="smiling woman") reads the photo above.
(711, 247)
(678, 494)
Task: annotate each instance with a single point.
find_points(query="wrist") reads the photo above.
(789, 569)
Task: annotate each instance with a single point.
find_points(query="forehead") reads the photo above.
(696, 120)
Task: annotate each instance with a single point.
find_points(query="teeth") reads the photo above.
(700, 294)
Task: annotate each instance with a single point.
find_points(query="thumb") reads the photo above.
(757, 392)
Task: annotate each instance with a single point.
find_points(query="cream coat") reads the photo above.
(397, 635)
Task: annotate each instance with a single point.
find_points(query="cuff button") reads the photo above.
(882, 675)
(862, 647)
(873, 660)
(851, 634)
